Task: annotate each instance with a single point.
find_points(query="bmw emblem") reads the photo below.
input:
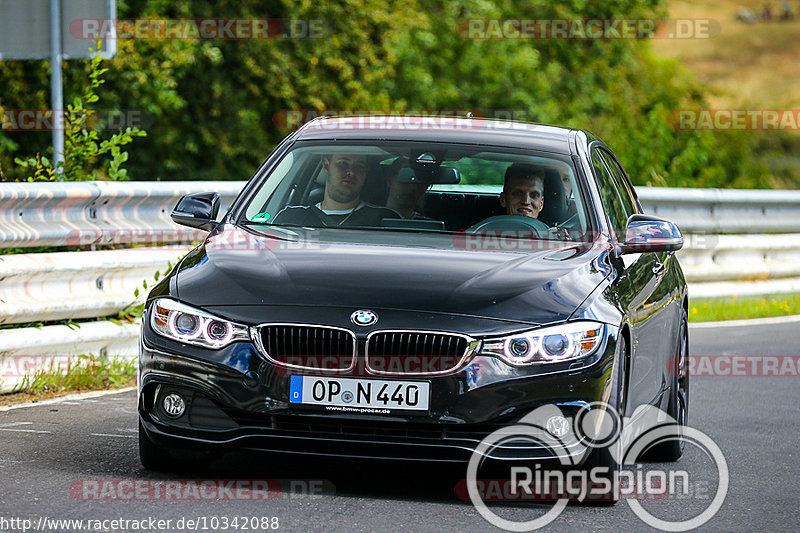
(363, 317)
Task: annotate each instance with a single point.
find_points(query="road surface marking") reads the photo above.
(112, 435)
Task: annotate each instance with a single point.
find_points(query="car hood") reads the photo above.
(314, 270)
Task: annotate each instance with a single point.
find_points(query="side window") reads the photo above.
(623, 186)
(612, 204)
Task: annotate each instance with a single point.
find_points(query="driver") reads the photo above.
(342, 204)
(523, 190)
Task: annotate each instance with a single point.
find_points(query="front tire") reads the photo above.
(160, 459)
(152, 456)
(608, 456)
(678, 403)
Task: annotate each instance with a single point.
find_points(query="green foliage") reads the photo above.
(736, 308)
(84, 372)
(216, 105)
(615, 88)
(82, 144)
(41, 167)
(135, 311)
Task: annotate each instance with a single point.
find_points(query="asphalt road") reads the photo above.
(57, 459)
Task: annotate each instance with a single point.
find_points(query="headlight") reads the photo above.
(552, 344)
(186, 324)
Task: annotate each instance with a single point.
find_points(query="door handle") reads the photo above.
(658, 267)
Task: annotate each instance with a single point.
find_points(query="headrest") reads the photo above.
(555, 200)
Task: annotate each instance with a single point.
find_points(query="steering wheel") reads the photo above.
(511, 222)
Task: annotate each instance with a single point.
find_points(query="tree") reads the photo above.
(216, 108)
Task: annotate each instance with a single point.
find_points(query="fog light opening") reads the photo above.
(174, 405)
(557, 426)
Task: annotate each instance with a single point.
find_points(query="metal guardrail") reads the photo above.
(26, 350)
(74, 285)
(59, 214)
(70, 285)
(715, 289)
(740, 257)
(725, 210)
(88, 284)
(98, 212)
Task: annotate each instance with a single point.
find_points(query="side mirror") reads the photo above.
(197, 210)
(646, 233)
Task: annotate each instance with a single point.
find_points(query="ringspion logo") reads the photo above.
(568, 441)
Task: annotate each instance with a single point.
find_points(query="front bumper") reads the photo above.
(235, 398)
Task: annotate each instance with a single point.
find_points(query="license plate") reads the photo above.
(364, 396)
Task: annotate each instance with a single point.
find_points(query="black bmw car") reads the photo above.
(368, 295)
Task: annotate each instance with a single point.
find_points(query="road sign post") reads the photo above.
(56, 87)
(40, 29)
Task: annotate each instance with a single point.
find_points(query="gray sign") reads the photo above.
(25, 28)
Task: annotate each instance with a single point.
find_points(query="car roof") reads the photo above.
(477, 130)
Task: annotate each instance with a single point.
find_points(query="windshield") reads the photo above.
(422, 187)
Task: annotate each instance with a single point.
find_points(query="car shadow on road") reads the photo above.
(344, 476)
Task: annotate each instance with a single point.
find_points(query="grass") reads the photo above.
(735, 308)
(87, 373)
(751, 66)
